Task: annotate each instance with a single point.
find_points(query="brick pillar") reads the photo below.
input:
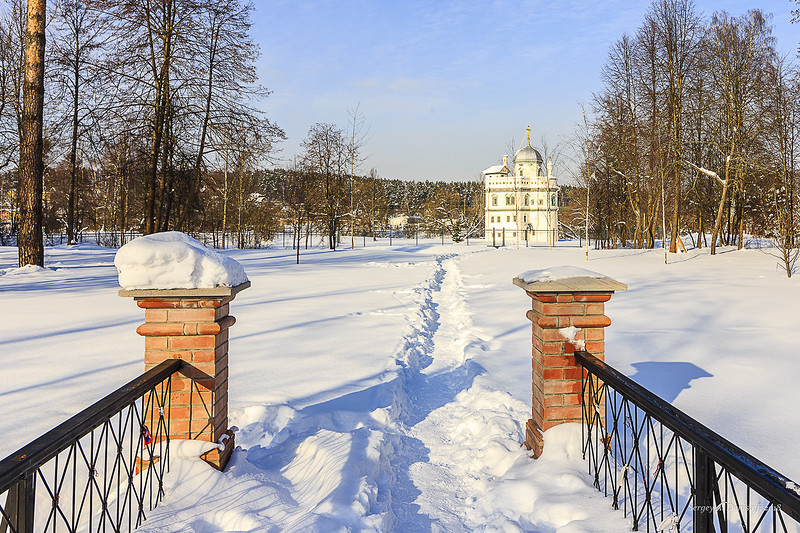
(563, 303)
(192, 325)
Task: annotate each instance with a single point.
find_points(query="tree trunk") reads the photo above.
(225, 199)
(72, 201)
(673, 244)
(720, 213)
(296, 237)
(31, 162)
(700, 230)
(741, 231)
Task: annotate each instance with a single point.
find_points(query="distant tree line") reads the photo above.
(319, 192)
(695, 131)
(363, 205)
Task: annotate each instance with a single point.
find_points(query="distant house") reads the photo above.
(401, 221)
(7, 208)
(521, 200)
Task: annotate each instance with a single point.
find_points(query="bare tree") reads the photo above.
(458, 212)
(78, 34)
(296, 188)
(372, 202)
(225, 60)
(739, 49)
(150, 39)
(677, 28)
(327, 154)
(357, 139)
(780, 111)
(13, 23)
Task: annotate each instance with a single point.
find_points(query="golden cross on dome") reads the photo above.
(529, 135)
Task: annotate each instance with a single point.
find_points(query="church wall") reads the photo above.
(524, 179)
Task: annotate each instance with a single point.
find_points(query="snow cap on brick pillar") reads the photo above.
(185, 290)
(567, 314)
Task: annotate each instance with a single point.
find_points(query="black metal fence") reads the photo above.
(667, 472)
(530, 238)
(101, 470)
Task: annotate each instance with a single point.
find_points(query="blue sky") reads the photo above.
(445, 85)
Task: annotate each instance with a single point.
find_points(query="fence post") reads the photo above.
(192, 325)
(567, 314)
(704, 479)
(19, 505)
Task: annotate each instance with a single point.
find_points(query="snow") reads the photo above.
(495, 169)
(173, 260)
(557, 273)
(393, 396)
(570, 333)
(21, 271)
(187, 448)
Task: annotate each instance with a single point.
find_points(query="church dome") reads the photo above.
(528, 154)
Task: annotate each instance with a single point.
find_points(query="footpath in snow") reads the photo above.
(434, 448)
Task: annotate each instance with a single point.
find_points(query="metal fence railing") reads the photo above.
(667, 472)
(287, 239)
(101, 470)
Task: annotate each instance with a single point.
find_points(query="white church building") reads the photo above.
(521, 200)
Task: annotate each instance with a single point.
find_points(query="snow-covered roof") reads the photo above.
(173, 260)
(497, 169)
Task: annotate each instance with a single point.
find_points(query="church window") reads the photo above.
(541, 202)
(515, 218)
(509, 200)
(494, 200)
(553, 200)
(524, 218)
(508, 218)
(527, 200)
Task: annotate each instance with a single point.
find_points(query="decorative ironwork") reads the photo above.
(101, 470)
(667, 472)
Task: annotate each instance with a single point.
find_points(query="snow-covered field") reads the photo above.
(387, 388)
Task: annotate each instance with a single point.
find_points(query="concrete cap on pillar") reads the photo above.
(220, 291)
(566, 279)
